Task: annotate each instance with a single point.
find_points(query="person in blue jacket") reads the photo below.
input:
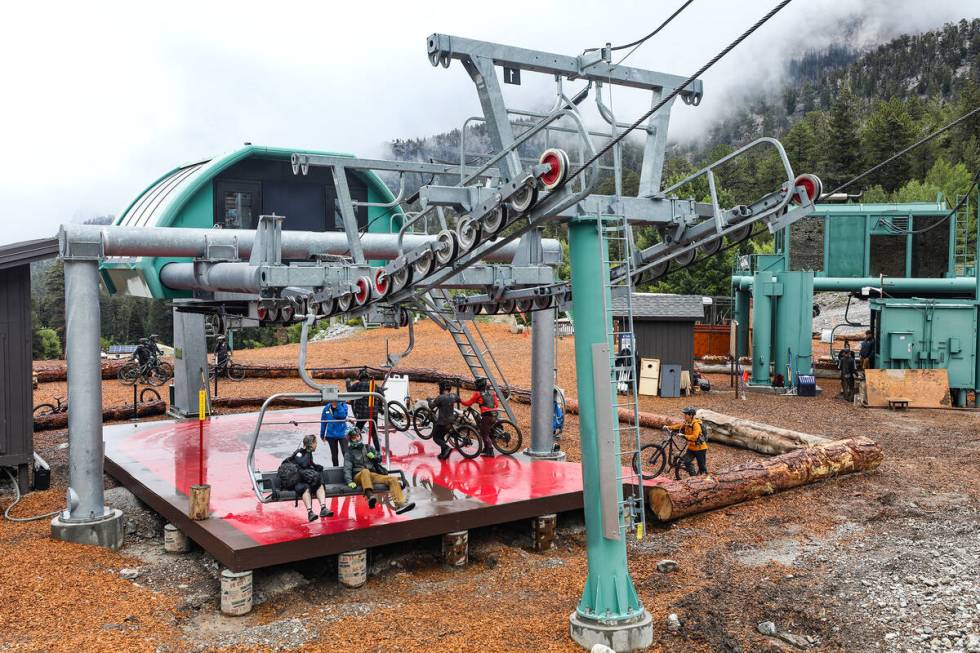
(333, 429)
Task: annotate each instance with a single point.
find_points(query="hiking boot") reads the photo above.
(372, 500)
(487, 453)
(444, 453)
(405, 507)
(325, 513)
(310, 516)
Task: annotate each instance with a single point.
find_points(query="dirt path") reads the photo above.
(885, 561)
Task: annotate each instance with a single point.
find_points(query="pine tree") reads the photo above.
(51, 310)
(889, 129)
(842, 146)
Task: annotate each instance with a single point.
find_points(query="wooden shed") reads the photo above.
(664, 325)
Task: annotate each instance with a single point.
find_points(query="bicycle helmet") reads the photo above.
(481, 384)
(690, 410)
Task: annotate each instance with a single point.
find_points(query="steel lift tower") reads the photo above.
(476, 227)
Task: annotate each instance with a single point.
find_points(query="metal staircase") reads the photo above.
(472, 345)
(616, 250)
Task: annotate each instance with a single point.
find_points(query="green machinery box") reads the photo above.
(928, 333)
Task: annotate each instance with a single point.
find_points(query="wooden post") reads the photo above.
(200, 501)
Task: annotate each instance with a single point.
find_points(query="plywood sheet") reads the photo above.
(649, 368)
(649, 387)
(923, 388)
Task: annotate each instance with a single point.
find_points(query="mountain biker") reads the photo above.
(154, 341)
(362, 466)
(310, 478)
(697, 444)
(445, 407)
(362, 408)
(486, 399)
(848, 367)
(221, 355)
(144, 352)
(333, 428)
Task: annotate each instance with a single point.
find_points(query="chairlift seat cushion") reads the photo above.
(332, 479)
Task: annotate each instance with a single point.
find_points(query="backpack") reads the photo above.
(703, 438)
(486, 398)
(288, 474)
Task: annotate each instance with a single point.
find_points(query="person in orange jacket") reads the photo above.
(697, 443)
(486, 399)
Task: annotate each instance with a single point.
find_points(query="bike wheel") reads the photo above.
(422, 421)
(506, 437)
(44, 410)
(149, 394)
(398, 416)
(129, 372)
(650, 461)
(236, 372)
(466, 440)
(159, 374)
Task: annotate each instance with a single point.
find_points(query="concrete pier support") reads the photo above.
(455, 548)
(175, 540)
(87, 519)
(543, 532)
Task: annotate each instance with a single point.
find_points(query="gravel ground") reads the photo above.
(885, 561)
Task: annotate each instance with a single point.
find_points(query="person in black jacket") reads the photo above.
(445, 408)
(363, 407)
(310, 482)
(362, 466)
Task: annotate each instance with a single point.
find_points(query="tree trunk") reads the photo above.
(756, 436)
(675, 499)
(109, 414)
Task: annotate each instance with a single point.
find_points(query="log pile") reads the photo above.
(675, 499)
(109, 413)
(755, 436)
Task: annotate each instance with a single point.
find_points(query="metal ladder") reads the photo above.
(474, 349)
(616, 248)
(963, 253)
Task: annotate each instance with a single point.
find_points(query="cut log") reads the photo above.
(756, 436)
(199, 507)
(109, 414)
(675, 499)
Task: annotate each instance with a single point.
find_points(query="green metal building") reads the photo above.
(231, 192)
(905, 258)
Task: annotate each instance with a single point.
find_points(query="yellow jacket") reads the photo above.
(691, 433)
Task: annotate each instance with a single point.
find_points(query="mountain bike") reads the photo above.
(43, 410)
(233, 371)
(462, 435)
(667, 455)
(154, 372)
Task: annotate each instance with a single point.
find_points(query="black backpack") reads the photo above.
(288, 473)
(703, 439)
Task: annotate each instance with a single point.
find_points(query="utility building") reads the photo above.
(663, 325)
(16, 422)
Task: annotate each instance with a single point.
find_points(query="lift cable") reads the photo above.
(639, 42)
(670, 96)
(921, 141)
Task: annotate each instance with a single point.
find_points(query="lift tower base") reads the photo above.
(623, 636)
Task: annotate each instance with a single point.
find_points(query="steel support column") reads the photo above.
(86, 496)
(542, 367)
(609, 602)
(761, 328)
(742, 301)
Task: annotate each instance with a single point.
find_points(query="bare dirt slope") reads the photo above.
(885, 561)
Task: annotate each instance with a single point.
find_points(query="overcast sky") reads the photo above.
(99, 98)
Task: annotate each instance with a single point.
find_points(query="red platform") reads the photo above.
(159, 461)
